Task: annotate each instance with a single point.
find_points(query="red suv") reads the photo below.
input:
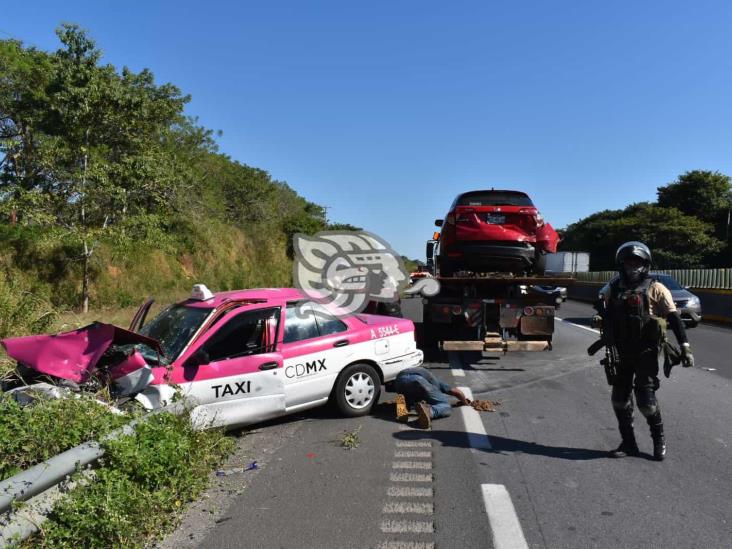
(494, 231)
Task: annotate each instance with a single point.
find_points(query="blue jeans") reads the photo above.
(414, 387)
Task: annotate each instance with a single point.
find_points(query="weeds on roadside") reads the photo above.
(31, 434)
(143, 483)
(351, 439)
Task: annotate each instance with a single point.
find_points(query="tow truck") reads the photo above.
(490, 312)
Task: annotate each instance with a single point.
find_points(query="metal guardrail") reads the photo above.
(46, 476)
(720, 279)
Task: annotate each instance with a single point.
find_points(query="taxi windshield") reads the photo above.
(174, 328)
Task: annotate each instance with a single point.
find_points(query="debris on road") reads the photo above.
(485, 405)
(234, 470)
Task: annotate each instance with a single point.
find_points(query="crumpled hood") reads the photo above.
(71, 355)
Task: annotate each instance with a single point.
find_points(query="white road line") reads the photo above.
(405, 545)
(456, 367)
(477, 437)
(578, 325)
(410, 477)
(412, 454)
(408, 507)
(507, 532)
(411, 465)
(407, 527)
(407, 427)
(414, 444)
(408, 492)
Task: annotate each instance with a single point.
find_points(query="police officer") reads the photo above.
(638, 310)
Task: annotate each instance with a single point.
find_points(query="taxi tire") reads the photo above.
(344, 407)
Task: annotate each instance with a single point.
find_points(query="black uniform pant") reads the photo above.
(637, 373)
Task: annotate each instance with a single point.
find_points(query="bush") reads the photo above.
(31, 434)
(144, 481)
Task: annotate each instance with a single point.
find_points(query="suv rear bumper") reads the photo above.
(492, 255)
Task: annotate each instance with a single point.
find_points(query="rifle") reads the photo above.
(607, 340)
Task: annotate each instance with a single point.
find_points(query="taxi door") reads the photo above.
(315, 347)
(235, 371)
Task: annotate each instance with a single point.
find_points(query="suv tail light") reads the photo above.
(539, 219)
(450, 219)
(462, 218)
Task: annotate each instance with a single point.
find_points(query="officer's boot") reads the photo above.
(628, 446)
(659, 441)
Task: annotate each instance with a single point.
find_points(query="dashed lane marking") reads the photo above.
(412, 454)
(405, 507)
(406, 545)
(411, 465)
(477, 437)
(456, 365)
(407, 527)
(410, 477)
(408, 492)
(414, 444)
(507, 532)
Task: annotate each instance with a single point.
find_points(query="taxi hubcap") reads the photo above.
(359, 390)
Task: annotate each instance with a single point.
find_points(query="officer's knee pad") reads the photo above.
(622, 404)
(648, 409)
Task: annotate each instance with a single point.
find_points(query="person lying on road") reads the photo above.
(418, 388)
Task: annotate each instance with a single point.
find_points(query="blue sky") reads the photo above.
(384, 111)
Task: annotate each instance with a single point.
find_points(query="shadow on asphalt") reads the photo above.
(503, 445)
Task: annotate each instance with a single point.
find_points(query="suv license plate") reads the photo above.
(495, 219)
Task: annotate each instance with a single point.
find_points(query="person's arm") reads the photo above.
(459, 395)
(677, 326)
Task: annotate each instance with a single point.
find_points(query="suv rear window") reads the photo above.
(493, 198)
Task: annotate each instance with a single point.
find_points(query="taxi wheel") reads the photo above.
(357, 390)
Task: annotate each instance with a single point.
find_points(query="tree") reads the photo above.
(702, 194)
(677, 240)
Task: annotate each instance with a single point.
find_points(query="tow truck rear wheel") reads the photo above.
(357, 390)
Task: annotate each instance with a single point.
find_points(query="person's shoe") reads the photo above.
(424, 415)
(402, 413)
(659, 441)
(659, 448)
(626, 448)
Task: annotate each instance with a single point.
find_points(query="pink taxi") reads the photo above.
(240, 356)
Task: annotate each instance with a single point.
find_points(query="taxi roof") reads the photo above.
(264, 294)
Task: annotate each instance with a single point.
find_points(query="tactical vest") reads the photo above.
(633, 326)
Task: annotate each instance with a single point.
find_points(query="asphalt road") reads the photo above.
(534, 473)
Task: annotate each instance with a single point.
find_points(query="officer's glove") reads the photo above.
(687, 359)
(596, 322)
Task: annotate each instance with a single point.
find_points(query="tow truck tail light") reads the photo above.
(528, 311)
(457, 309)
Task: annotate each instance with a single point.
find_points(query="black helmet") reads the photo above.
(633, 276)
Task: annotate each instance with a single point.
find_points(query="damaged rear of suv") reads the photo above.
(494, 231)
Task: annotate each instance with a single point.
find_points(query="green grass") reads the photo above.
(141, 488)
(31, 434)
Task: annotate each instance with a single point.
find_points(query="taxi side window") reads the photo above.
(300, 323)
(327, 323)
(245, 334)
